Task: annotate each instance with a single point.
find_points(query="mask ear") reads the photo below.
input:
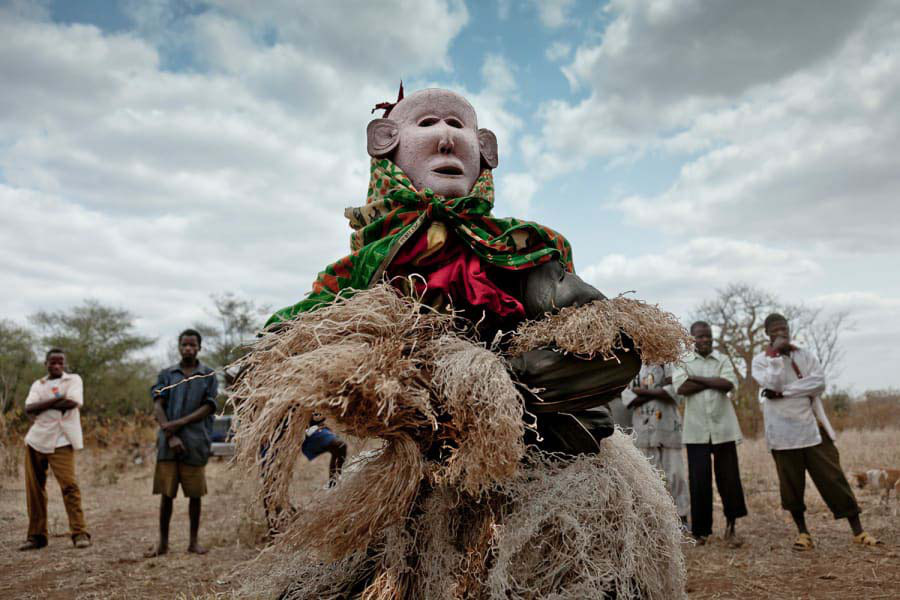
(382, 136)
(487, 142)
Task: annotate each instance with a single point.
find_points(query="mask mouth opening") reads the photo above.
(448, 170)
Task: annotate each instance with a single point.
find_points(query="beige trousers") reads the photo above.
(62, 461)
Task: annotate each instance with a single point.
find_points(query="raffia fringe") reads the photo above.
(595, 329)
(376, 365)
(586, 527)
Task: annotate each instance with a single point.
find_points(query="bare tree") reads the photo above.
(238, 322)
(737, 314)
(821, 335)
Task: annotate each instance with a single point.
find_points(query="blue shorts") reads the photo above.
(316, 443)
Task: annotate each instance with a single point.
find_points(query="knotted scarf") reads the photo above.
(395, 211)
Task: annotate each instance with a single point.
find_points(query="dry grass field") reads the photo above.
(122, 515)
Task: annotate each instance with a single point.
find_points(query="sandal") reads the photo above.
(864, 539)
(33, 544)
(803, 543)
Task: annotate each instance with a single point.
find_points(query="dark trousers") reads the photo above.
(823, 463)
(702, 460)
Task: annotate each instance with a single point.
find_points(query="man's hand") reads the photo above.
(170, 427)
(176, 444)
(639, 400)
(781, 345)
(772, 394)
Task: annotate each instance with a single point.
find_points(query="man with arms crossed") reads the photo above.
(185, 401)
(711, 431)
(799, 434)
(53, 402)
(657, 428)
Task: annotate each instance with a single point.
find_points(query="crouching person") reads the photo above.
(52, 440)
(185, 401)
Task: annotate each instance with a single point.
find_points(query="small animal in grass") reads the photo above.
(880, 479)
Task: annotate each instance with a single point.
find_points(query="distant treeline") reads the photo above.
(102, 345)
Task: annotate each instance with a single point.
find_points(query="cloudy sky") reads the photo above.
(154, 152)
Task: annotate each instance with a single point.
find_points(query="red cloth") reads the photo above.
(458, 273)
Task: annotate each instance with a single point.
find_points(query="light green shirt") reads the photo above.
(709, 416)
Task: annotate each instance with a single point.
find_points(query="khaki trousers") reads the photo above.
(62, 462)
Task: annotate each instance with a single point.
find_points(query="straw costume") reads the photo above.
(466, 345)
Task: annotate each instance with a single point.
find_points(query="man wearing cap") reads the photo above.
(799, 434)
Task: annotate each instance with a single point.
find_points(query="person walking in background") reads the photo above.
(53, 403)
(185, 401)
(657, 428)
(799, 434)
(711, 433)
(320, 439)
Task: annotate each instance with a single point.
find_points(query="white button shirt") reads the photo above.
(791, 422)
(709, 416)
(52, 429)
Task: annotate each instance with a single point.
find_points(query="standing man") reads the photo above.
(711, 434)
(185, 401)
(657, 428)
(52, 403)
(798, 432)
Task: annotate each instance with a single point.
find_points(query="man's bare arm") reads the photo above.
(690, 387)
(654, 394)
(713, 383)
(171, 427)
(159, 411)
(37, 408)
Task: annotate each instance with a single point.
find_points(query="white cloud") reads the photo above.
(681, 274)
(554, 13)
(790, 129)
(514, 194)
(503, 7)
(558, 51)
(150, 188)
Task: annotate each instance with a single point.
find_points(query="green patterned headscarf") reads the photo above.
(395, 211)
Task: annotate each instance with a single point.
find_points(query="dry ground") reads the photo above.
(122, 517)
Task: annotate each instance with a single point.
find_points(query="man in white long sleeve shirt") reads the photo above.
(799, 434)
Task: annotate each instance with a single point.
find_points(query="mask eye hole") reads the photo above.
(428, 122)
(455, 123)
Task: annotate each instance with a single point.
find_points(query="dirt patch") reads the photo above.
(766, 567)
(122, 516)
